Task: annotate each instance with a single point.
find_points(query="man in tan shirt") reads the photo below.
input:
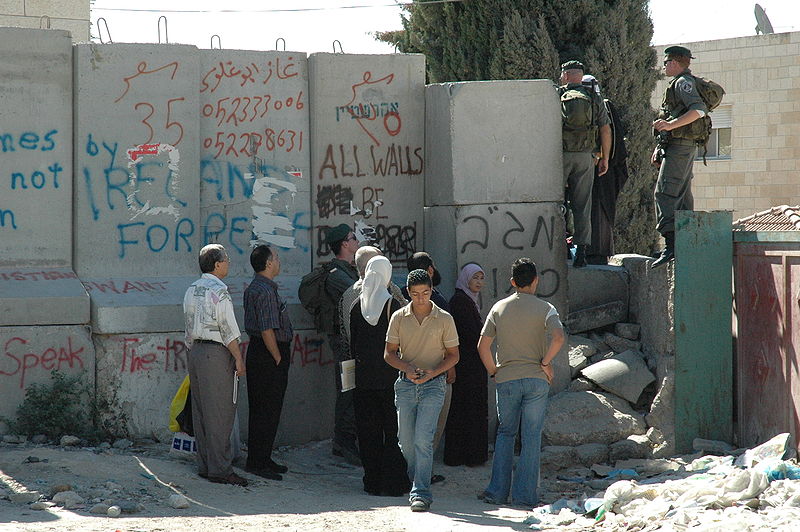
(427, 340)
(523, 374)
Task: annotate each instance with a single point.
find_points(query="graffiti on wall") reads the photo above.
(22, 356)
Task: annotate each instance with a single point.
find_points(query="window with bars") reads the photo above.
(719, 144)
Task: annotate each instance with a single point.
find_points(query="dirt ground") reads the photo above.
(320, 492)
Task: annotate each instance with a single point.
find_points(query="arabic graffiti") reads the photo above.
(250, 73)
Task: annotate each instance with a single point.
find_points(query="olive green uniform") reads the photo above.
(674, 186)
(579, 173)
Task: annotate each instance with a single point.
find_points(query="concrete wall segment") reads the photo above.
(137, 192)
(493, 141)
(35, 148)
(367, 158)
(30, 354)
(50, 296)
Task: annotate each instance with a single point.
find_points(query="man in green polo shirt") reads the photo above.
(523, 373)
(427, 340)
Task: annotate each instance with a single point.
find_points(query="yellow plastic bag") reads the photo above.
(178, 402)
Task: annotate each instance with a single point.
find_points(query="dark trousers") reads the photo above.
(266, 386)
(344, 423)
(385, 469)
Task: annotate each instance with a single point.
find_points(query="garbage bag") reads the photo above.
(180, 411)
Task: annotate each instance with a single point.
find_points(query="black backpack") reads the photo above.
(315, 299)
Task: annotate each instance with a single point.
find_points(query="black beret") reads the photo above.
(679, 51)
(573, 65)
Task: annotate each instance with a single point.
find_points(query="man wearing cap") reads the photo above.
(583, 115)
(343, 243)
(676, 149)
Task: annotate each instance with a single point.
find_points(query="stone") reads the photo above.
(599, 343)
(582, 344)
(558, 456)
(113, 511)
(68, 499)
(655, 436)
(104, 445)
(69, 441)
(122, 444)
(58, 488)
(591, 453)
(595, 317)
(619, 344)
(99, 508)
(577, 361)
(627, 330)
(647, 466)
(625, 375)
(662, 411)
(3, 428)
(601, 484)
(113, 486)
(129, 507)
(40, 505)
(634, 446)
(597, 357)
(582, 385)
(178, 501)
(575, 418)
(14, 438)
(24, 497)
(39, 438)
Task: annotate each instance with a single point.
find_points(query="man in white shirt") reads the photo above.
(212, 336)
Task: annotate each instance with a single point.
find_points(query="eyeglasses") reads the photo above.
(667, 61)
(353, 238)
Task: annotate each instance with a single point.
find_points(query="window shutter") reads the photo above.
(722, 117)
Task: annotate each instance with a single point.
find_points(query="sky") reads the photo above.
(257, 24)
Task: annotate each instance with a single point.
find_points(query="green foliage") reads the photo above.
(529, 39)
(56, 408)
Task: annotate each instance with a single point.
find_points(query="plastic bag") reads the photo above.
(178, 404)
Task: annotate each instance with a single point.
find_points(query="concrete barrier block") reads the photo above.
(596, 285)
(30, 354)
(36, 148)
(255, 182)
(136, 205)
(493, 141)
(625, 375)
(367, 129)
(48, 296)
(591, 318)
(576, 418)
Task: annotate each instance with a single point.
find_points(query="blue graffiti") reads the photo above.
(38, 179)
(212, 233)
(156, 236)
(7, 214)
(28, 141)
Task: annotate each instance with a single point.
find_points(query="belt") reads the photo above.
(204, 341)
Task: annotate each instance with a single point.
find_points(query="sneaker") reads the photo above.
(420, 505)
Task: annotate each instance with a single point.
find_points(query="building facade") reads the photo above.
(70, 15)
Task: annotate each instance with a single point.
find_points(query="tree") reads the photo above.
(529, 39)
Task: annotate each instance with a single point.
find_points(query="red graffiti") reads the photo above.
(137, 358)
(309, 350)
(141, 69)
(21, 359)
(124, 287)
(367, 80)
(37, 276)
(144, 149)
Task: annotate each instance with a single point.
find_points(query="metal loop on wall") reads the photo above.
(44, 22)
(340, 46)
(166, 35)
(219, 42)
(100, 31)
(284, 43)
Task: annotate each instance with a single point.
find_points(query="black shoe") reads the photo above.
(264, 473)
(580, 256)
(437, 478)
(668, 253)
(276, 467)
(233, 478)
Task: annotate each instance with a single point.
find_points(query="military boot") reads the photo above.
(668, 253)
(580, 256)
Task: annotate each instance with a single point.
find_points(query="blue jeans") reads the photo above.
(525, 399)
(418, 408)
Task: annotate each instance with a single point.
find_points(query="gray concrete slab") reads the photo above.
(367, 149)
(136, 205)
(591, 318)
(255, 181)
(494, 236)
(30, 354)
(493, 141)
(36, 148)
(596, 285)
(42, 296)
(624, 374)
(138, 375)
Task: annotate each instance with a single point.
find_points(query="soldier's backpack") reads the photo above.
(699, 131)
(579, 130)
(315, 299)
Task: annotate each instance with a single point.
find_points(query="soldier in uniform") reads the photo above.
(676, 150)
(579, 135)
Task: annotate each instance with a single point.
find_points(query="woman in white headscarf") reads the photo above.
(466, 435)
(385, 469)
